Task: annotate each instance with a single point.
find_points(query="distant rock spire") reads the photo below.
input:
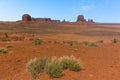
(80, 18)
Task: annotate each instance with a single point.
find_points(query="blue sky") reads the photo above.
(98, 10)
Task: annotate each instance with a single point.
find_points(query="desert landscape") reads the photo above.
(95, 45)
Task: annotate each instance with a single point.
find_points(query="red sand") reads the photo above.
(98, 63)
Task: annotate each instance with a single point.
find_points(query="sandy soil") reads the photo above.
(98, 63)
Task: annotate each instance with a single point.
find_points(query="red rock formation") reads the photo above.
(56, 21)
(90, 21)
(26, 18)
(41, 19)
(80, 18)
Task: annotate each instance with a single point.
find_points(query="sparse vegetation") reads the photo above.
(70, 63)
(54, 69)
(33, 68)
(86, 43)
(9, 46)
(92, 44)
(71, 43)
(38, 41)
(115, 40)
(3, 51)
(52, 66)
(36, 66)
(100, 41)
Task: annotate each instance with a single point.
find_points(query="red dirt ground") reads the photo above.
(98, 63)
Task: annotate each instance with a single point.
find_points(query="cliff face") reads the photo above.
(81, 18)
(26, 18)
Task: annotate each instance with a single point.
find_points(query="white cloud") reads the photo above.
(87, 7)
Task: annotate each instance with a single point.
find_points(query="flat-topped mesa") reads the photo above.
(41, 19)
(26, 18)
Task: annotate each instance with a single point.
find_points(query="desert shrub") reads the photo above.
(3, 51)
(38, 41)
(85, 43)
(74, 66)
(37, 66)
(100, 41)
(70, 63)
(64, 61)
(54, 69)
(92, 44)
(70, 43)
(52, 66)
(115, 41)
(43, 61)
(33, 67)
(9, 46)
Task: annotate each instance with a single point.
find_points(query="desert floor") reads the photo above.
(101, 62)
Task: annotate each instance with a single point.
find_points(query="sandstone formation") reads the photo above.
(41, 19)
(26, 18)
(90, 21)
(80, 18)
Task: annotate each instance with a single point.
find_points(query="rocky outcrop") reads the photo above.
(26, 18)
(41, 19)
(90, 21)
(81, 18)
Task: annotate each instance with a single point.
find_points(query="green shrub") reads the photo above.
(54, 69)
(9, 46)
(115, 41)
(70, 63)
(3, 51)
(44, 61)
(74, 66)
(37, 41)
(86, 43)
(33, 68)
(64, 61)
(52, 66)
(37, 66)
(92, 44)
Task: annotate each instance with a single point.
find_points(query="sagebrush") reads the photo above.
(52, 66)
